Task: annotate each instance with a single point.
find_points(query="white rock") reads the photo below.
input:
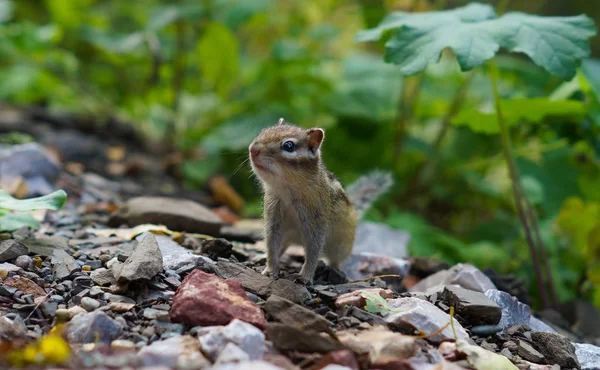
(174, 352)
(464, 275)
(232, 353)
(247, 337)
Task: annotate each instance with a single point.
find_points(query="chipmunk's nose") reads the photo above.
(254, 151)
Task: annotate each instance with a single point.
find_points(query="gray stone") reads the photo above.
(9, 267)
(11, 249)
(7, 291)
(527, 352)
(381, 239)
(474, 306)
(464, 275)
(231, 353)
(63, 265)
(289, 338)
(262, 285)
(32, 162)
(176, 214)
(588, 356)
(417, 314)
(175, 256)
(89, 304)
(145, 261)
(87, 327)
(103, 277)
(513, 311)
(556, 348)
(246, 337)
(181, 351)
(25, 262)
(291, 313)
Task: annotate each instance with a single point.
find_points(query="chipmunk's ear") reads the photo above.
(281, 122)
(315, 138)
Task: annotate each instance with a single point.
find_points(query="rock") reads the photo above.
(481, 358)
(9, 267)
(13, 332)
(215, 248)
(25, 285)
(144, 262)
(120, 307)
(63, 265)
(485, 330)
(175, 256)
(343, 358)
(103, 277)
(122, 345)
(261, 285)
(513, 311)
(588, 356)
(31, 162)
(356, 298)
(244, 336)
(175, 214)
(380, 239)
(204, 299)
(289, 338)
(365, 265)
(290, 313)
(247, 365)
(7, 291)
(379, 344)
(475, 307)
(25, 262)
(11, 249)
(154, 314)
(175, 352)
(89, 304)
(464, 275)
(556, 348)
(92, 326)
(418, 314)
(231, 353)
(76, 310)
(527, 352)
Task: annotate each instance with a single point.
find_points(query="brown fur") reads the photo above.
(304, 203)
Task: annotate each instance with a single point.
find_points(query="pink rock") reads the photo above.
(205, 300)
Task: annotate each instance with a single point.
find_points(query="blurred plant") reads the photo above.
(10, 221)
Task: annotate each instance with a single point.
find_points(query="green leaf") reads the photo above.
(375, 303)
(514, 110)
(163, 16)
(53, 201)
(219, 52)
(15, 221)
(474, 34)
(591, 71)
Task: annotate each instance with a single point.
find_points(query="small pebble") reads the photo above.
(86, 268)
(46, 271)
(37, 261)
(89, 304)
(485, 330)
(63, 315)
(25, 262)
(57, 298)
(122, 344)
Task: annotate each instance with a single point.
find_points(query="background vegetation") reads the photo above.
(203, 77)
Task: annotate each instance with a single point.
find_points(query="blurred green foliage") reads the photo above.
(206, 76)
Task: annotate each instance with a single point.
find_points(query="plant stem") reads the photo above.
(408, 99)
(516, 184)
(178, 71)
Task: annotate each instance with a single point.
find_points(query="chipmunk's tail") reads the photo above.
(364, 191)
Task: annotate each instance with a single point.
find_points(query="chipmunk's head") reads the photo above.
(286, 154)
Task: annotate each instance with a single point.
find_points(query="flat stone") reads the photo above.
(417, 314)
(92, 326)
(464, 275)
(45, 246)
(9, 267)
(175, 352)
(380, 345)
(588, 356)
(513, 311)
(291, 313)
(25, 285)
(144, 262)
(175, 256)
(474, 306)
(175, 214)
(247, 338)
(261, 285)
(529, 353)
(103, 277)
(11, 249)
(556, 348)
(204, 299)
(63, 265)
(289, 338)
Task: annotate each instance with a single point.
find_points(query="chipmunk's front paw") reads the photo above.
(269, 272)
(300, 278)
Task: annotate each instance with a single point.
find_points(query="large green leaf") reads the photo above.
(591, 71)
(53, 201)
(15, 221)
(474, 34)
(514, 110)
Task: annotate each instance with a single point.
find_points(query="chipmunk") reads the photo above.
(304, 203)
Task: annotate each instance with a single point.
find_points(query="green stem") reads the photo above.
(516, 183)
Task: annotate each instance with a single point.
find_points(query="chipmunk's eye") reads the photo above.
(288, 146)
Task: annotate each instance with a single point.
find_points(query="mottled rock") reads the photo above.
(379, 344)
(529, 353)
(144, 262)
(175, 214)
(289, 338)
(103, 277)
(290, 313)
(244, 336)
(417, 314)
(474, 306)
(11, 249)
(261, 285)
(25, 285)
(556, 348)
(204, 299)
(588, 356)
(464, 275)
(87, 327)
(63, 265)
(175, 352)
